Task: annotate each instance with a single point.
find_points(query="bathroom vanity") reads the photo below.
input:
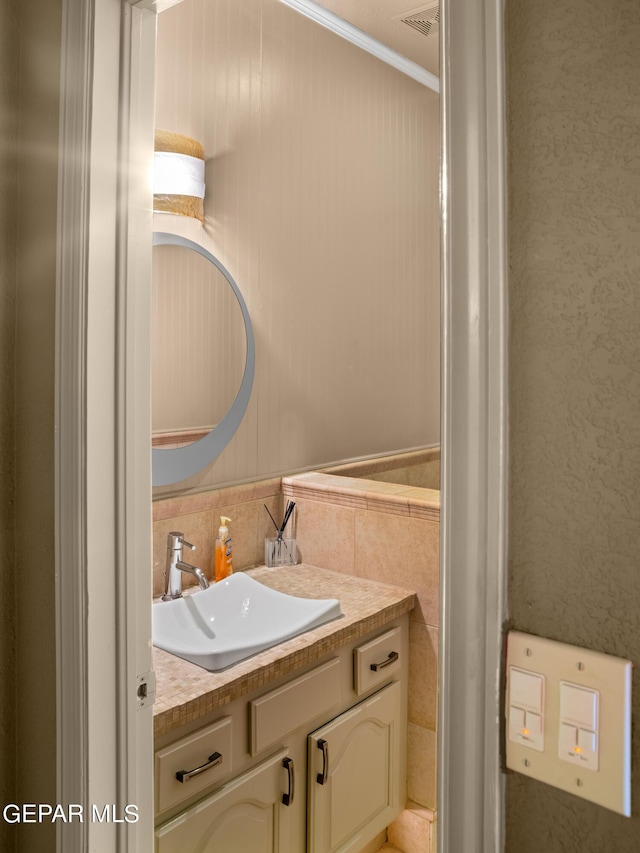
(300, 748)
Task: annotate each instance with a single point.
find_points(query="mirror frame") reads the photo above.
(173, 465)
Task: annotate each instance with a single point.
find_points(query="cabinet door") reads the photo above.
(355, 789)
(245, 816)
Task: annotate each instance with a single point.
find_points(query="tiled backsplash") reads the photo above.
(198, 517)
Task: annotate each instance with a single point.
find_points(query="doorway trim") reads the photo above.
(474, 329)
(104, 683)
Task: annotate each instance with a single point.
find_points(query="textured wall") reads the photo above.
(574, 221)
(322, 201)
(9, 22)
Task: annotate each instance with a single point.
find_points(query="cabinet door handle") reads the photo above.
(213, 761)
(393, 657)
(287, 798)
(321, 778)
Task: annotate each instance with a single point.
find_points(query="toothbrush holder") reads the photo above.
(280, 552)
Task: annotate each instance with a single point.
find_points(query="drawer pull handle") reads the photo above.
(393, 657)
(321, 778)
(213, 761)
(287, 799)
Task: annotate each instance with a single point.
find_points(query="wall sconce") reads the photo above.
(178, 175)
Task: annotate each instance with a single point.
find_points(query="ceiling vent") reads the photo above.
(426, 21)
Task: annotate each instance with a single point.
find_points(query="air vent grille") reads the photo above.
(427, 21)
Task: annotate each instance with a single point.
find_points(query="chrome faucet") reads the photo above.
(175, 566)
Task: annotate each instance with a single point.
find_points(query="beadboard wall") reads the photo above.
(322, 202)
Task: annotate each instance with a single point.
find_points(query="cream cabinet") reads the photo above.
(248, 815)
(353, 777)
(316, 762)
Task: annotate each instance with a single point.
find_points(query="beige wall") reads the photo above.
(9, 82)
(574, 224)
(322, 201)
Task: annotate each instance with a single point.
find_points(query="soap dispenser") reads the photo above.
(223, 566)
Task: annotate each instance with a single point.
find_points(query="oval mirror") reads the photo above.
(203, 358)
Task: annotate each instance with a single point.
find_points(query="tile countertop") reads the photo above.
(185, 691)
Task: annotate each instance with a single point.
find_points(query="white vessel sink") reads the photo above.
(234, 619)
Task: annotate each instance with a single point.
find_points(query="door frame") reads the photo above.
(103, 482)
(474, 498)
(105, 684)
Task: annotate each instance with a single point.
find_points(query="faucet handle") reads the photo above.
(176, 540)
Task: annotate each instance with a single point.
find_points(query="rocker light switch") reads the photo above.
(579, 713)
(578, 705)
(525, 689)
(526, 703)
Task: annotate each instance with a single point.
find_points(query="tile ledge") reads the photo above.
(317, 486)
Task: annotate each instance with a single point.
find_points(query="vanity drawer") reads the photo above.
(200, 761)
(284, 710)
(375, 661)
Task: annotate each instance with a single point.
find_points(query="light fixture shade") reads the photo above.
(178, 175)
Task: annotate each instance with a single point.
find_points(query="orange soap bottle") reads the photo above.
(223, 562)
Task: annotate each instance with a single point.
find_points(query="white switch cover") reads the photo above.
(585, 719)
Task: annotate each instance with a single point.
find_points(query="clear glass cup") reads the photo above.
(280, 552)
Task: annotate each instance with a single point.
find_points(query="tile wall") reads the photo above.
(389, 533)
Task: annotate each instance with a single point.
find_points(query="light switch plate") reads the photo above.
(610, 784)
